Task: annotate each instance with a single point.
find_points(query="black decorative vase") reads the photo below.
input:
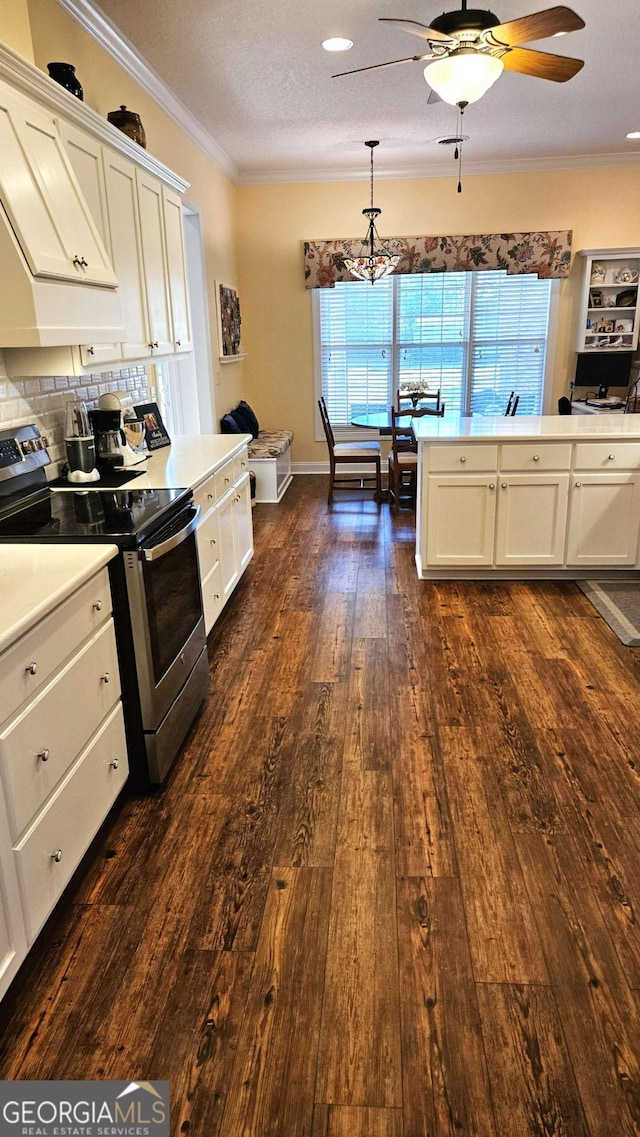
(65, 75)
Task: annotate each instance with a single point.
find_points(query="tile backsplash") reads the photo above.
(42, 400)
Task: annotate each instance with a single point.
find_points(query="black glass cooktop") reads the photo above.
(121, 517)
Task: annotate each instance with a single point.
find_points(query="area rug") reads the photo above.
(618, 602)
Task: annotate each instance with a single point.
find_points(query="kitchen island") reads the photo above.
(530, 496)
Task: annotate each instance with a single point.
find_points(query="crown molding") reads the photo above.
(96, 24)
(418, 171)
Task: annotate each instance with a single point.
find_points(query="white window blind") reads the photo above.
(474, 336)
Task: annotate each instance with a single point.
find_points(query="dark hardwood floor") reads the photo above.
(393, 889)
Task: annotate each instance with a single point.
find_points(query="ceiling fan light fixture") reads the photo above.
(337, 43)
(463, 76)
(374, 260)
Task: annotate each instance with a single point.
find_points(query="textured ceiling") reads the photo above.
(256, 78)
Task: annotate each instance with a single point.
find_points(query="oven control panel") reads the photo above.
(22, 448)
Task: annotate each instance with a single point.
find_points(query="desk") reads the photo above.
(580, 408)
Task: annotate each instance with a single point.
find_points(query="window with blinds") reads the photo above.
(476, 337)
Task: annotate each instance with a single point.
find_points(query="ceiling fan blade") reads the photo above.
(417, 29)
(391, 63)
(541, 64)
(539, 25)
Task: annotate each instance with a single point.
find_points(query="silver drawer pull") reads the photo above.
(44, 754)
(492, 485)
(611, 457)
(578, 484)
(106, 678)
(57, 856)
(536, 457)
(98, 606)
(80, 262)
(227, 480)
(463, 459)
(32, 668)
(213, 540)
(178, 343)
(90, 350)
(504, 485)
(209, 497)
(114, 765)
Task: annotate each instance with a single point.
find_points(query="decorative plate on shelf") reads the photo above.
(626, 299)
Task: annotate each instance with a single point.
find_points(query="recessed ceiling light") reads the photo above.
(634, 134)
(337, 44)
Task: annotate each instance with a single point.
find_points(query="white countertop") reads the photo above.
(522, 428)
(188, 460)
(34, 579)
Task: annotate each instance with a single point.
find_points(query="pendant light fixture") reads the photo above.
(375, 260)
(464, 75)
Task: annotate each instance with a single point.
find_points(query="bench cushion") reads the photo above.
(270, 443)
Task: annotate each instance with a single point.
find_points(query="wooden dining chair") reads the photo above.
(351, 454)
(403, 400)
(403, 455)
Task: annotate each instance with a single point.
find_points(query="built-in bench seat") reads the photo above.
(270, 461)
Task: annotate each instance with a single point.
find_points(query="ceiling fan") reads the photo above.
(470, 48)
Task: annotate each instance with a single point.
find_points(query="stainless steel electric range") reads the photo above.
(155, 583)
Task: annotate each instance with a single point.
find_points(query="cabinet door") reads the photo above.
(229, 571)
(124, 234)
(43, 200)
(460, 520)
(244, 522)
(177, 271)
(604, 520)
(532, 519)
(13, 940)
(85, 156)
(155, 263)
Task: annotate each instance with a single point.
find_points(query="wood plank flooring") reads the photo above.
(393, 889)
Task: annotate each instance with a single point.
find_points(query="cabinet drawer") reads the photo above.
(208, 543)
(614, 455)
(224, 477)
(536, 456)
(467, 458)
(27, 665)
(70, 821)
(212, 597)
(39, 746)
(240, 464)
(205, 495)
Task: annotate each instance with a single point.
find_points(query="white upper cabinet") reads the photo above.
(154, 260)
(177, 271)
(126, 247)
(42, 199)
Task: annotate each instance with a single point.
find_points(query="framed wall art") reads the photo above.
(229, 322)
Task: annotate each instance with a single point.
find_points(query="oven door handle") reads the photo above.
(156, 551)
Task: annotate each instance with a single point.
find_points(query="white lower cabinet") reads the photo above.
(460, 519)
(604, 519)
(63, 758)
(532, 519)
(522, 514)
(56, 841)
(225, 533)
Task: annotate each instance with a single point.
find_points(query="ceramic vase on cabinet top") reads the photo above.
(129, 123)
(65, 75)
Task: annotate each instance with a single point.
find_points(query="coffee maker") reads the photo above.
(79, 443)
(113, 449)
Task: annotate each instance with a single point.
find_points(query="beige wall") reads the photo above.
(56, 36)
(601, 206)
(15, 30)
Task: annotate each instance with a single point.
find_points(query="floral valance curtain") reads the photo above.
(546, 254)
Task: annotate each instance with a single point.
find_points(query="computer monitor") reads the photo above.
(603, 369)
